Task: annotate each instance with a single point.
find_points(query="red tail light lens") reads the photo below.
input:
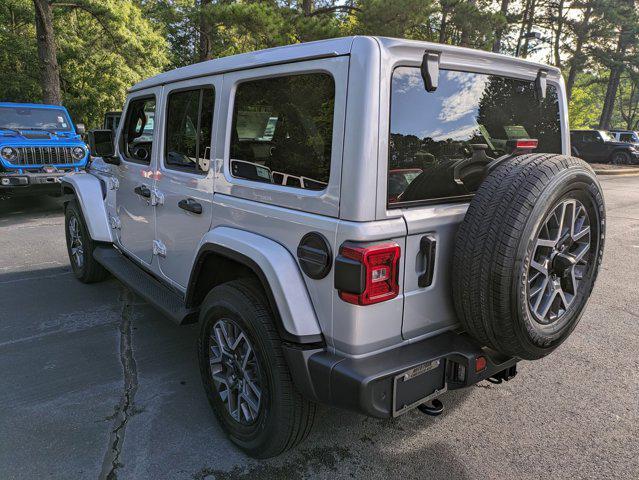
(526, 144)
(379, 266)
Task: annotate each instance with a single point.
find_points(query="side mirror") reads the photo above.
(80, 128)
(101, 145)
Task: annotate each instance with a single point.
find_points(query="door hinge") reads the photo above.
(115, 222)
(114, 183)
(159, 248)
(157, 197)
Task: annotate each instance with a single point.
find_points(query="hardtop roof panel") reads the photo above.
(340, 46)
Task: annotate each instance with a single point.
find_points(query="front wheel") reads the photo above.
(620, 158)
(245, 375)
(80, 246)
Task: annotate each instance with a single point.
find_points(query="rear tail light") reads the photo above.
(365, 275)
(526, 144)
(523, 145)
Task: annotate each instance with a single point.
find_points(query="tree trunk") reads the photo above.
(558, 32)
(204, 32)
(522, 29)
(442, 27)
(307, 7)
(446, 8)
(625, 37)
(500, 31)
(529, 27)
(578, 59)
(49, 69)
(465, 33)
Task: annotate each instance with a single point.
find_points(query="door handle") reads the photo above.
(143, 191)
(190, 205)
(428, 249)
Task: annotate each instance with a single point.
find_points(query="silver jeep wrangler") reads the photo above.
(361, 222)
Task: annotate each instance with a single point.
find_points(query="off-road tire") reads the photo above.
(495, 243)
(90, 271)
(620, 158)
(285, 417)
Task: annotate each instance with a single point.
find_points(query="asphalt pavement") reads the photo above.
(96, 384)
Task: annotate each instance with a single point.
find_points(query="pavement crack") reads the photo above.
(126, 407)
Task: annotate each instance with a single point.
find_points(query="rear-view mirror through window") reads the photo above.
(441, 142)
(136, 140)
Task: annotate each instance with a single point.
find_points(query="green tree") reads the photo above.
(18, 52)
(102, 47)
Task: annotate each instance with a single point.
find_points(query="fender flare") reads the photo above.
(90, 193)
(276, 270)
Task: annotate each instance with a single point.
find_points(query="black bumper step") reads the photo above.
(368, 385)
(145, 285)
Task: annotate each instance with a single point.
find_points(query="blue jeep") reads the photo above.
(38, 145)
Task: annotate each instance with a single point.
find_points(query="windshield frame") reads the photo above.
(528, 75)
(55, 110)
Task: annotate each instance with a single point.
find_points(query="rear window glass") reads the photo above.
(441, 141)
(283, 130)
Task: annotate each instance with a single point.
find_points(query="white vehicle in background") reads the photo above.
(259, 206)
(628, 136)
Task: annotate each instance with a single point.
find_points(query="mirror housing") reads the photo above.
(80, 129)
(101, 145)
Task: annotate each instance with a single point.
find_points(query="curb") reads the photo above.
(626, 172)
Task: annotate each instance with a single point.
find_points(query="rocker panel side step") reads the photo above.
(144, 284)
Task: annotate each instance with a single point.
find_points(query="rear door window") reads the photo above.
(282, 130)
(189, 121)
(441, 141)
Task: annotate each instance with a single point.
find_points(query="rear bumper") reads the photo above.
(30, 183)
(369, 385)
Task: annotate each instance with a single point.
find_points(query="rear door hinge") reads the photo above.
(159, 248)
(157, 197)
(115, 222)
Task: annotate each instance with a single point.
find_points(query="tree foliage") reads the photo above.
(104, 46)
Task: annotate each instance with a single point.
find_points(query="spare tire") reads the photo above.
(528, 252)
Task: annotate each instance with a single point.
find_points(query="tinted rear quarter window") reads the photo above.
(441, 141)
(282, 130)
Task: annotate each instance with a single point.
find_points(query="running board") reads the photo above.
(145, 285)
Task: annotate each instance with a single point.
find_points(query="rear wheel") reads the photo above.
(620, 158)
(528, 252)
(245, 375)
(80, 246)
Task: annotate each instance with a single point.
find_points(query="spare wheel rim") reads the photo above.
(559, 261)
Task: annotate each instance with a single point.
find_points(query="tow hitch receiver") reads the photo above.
(504, 375)
(433, 408)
